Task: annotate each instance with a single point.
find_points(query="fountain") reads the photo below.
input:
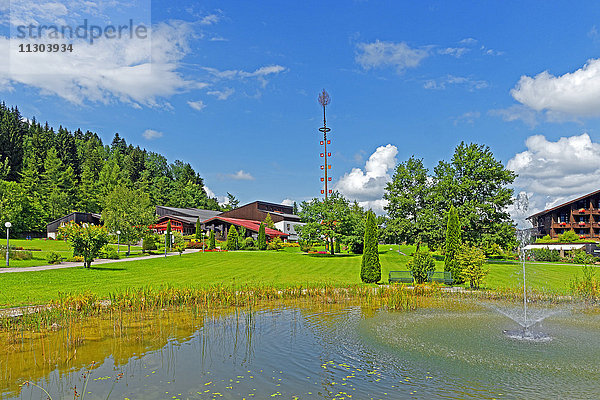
(524, 237)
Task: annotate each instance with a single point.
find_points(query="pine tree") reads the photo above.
(198, 229)
(232, 238)
(262, 237)
(453, 243)
(295, 209)
(211, 241)
(269, 222)
(370, 271)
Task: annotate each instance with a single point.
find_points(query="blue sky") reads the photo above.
(231, 87)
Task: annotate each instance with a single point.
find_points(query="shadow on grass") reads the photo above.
(107, 268)
(330, 255)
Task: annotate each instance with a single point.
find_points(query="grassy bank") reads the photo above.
(40, 249)
(280, 269)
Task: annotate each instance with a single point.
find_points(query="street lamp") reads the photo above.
(7, 225)
(118, 242)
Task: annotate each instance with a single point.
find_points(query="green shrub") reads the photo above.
(76, 259)
(54, 258)
(471, 260)
(453, 243)
(568, 237)
(249, 243)
(149, 243)
(20, 255)
(211, 241)
(196, 245)
(579, 256)
(262, 237)
(305, 247)
(337, 247)
(588, 286)
(421, 264)
(355, 244)
(275, 244)
(370, 271)
(544, 239)
(545, 254)
(108, 252)
(232, 239)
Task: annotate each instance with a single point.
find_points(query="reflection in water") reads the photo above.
(330, 352)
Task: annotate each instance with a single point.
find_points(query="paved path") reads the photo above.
(96, 262)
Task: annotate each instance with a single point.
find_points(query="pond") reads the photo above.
(453, 349)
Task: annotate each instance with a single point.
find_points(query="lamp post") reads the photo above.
(7, 225)
(118, 242)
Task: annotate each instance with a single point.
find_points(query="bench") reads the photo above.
(401, 276)
(440, 277)
(407, 277)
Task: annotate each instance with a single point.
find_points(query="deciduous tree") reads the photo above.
(130, 212)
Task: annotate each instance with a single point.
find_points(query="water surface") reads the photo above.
(300, 352)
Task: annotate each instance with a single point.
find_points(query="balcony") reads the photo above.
(576, 225)
(561, 225)
(581, 211)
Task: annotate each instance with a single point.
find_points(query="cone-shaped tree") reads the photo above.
(211, 241)
(232, 238)
(168, 238)
(262, 237)
(370, 271)
(453, 243)
(198, 229)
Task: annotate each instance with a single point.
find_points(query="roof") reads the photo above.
(248, 224)
(193, 212)
(189, 220)
(73, 213)
(564, 204)
(284, 215)
(555, 246)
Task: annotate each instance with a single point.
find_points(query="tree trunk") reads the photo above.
(332, 249)
(128, 249)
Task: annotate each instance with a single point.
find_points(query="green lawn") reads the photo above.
(47, 246)
(282, 268)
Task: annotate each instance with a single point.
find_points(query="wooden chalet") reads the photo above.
(77, 217)
(581, 215)
(182, 220)
(283, 216)
(220, 225)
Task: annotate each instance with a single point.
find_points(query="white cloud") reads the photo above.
(210, 19)
(443, 83)
(555, 172)
(454, 51)
(236, 73)
(151, 134)
(389, 54)
(468, 41)
(197, 105)
(576, 93)
(287, 202)
(129, 70)
(469, 117)
(367, 187)
(209, 192)
(241, 175)
(222, 94)
(516, 112)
